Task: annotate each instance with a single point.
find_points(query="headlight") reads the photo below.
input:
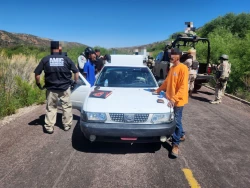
(162, 118)
(96, 116)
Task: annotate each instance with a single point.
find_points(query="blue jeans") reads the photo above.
(178, 130)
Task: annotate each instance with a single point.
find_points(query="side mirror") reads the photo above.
(160, 82)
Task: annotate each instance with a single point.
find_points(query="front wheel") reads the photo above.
(161, 74)
(197, 87)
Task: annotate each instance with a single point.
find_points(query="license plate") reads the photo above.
(129, 139)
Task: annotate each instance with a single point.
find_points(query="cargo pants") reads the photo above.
(51, 108)
(191, 80)
(219, 91)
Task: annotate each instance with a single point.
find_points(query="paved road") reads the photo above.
(216, 153)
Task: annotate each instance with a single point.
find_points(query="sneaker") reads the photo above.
(175, 151)
(183, 138)
(215, 102)
(50, 131)
(66, 128)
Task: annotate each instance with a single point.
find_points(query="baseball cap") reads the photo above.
(108, 58)
(91, 52)
(97, 50)
(191, 50)
(54, 44)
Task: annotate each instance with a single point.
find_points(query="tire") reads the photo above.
(161, 74)
(197, 87)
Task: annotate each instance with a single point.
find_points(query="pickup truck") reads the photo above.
(162, 62)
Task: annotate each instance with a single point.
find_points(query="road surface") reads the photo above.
(215, 154)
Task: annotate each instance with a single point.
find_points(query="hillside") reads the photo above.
(150, 47)
(20, 53)
(8, 39)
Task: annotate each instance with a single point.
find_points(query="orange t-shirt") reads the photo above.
(176, 85)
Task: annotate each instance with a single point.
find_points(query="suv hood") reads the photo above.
(127, 100)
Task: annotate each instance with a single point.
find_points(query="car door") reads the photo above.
(80, 92)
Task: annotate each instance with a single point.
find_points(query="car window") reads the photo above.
(159, 57)
(126, 77)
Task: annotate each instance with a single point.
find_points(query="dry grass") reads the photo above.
(246, 81)
(19, 65)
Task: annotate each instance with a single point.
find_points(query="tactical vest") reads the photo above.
(195, 65)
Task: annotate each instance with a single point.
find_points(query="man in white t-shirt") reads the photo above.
(81, 62)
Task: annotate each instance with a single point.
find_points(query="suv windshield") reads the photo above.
(126, 77)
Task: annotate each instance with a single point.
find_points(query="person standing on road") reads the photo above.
(89, 67)
(176, 86)
(192, 68)
(222, 75)
(57, 69)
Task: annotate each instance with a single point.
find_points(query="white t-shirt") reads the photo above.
(81, 61)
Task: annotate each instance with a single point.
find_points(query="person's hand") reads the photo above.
(222, 79)
(154, 92)
(73, 84)
(39, 86)
(171, 104)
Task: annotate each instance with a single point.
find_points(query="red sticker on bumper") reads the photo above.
(129, 139)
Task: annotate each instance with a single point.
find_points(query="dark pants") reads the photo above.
(178, 130)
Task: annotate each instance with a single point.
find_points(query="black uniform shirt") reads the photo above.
(57, 69)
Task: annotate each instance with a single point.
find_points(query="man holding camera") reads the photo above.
(57, 68)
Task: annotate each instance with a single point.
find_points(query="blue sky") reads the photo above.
(111, 23)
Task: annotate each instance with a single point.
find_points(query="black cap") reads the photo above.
(54, 44)
(97, 50)
(91, 52)
(108, 58)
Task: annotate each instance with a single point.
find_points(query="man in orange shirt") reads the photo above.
(176, 86)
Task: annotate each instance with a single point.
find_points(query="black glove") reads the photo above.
(222, 80)
(73, 84)
(39, 86)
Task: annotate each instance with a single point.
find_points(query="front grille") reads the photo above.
(138, 118)
(117, 117)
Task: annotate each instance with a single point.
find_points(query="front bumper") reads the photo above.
(202, 78)
(127, 130)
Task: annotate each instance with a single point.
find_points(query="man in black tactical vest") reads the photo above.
(57, 68)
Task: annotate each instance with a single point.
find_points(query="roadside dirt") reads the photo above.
(20, 112)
